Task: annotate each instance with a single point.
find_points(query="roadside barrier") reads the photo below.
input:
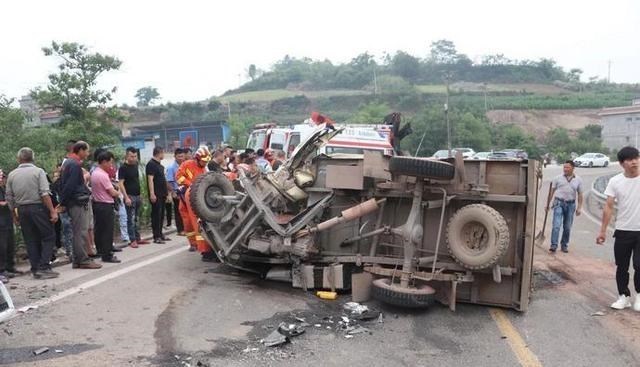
(597, 199)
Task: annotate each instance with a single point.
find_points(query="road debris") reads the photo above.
(327, 295)
(59, 351)
(355, 307)
(27, 308)
(598, 313)
(40, 351)
(290, 329)
(274, 339)
(353, 330)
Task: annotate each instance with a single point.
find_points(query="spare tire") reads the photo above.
(204, 196)
(421, 167)
(477, 236)
(413, 297)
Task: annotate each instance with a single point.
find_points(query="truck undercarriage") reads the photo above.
(426, 230)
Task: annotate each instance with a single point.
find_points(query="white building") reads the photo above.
(621, 125)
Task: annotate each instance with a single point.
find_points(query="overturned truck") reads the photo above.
(452, 231)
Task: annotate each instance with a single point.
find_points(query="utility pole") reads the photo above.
(484, 89)
(375, 81)
(609, 71)
(446, 115)
(228, 111)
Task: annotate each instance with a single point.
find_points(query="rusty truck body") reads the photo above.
(452, 231)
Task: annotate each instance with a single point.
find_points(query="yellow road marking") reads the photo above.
(518, 346)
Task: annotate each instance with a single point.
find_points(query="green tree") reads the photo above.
(146, 96)
(511, 136)
(73, 90)
(443, 52)
(471, 131)
(370, 113)
(405, 65)
(252, 72)
(558, 138)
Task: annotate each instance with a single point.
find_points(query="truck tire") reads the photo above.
(393, 294)
(477, 236)
(203, 198)
(421, 167)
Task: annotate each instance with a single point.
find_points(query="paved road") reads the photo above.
(164, 307)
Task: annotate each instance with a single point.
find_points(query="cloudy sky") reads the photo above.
(192, 50)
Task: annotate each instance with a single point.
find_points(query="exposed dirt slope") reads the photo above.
(538, 122)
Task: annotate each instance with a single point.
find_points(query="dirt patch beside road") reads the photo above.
(539, 122)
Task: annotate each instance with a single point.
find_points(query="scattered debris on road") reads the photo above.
(327, 295)
(40, 351)
(274, 339)
(598, 313)
(27, 308)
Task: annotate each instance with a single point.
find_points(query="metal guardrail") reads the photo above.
(597, 198)
(600, 184)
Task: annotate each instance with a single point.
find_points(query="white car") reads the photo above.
(592, 160)
(443, 154)
(482, 155)
(466, 152)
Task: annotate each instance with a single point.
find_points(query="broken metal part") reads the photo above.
(290, 330)
(40, 351)
(274, 339)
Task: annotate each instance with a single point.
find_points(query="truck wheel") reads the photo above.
(204, 196)
(477, 236)
(421, 167)
(393, 294)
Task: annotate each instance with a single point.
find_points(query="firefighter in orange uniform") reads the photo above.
(187, 173)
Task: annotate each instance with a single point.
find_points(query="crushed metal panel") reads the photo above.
(376, 165)
(345, 177)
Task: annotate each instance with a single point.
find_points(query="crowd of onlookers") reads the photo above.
(73, 213)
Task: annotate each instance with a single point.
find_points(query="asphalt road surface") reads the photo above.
(162, 306)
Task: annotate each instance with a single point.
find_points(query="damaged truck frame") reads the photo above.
(452, 231)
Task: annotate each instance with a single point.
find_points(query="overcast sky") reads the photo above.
(192, 50)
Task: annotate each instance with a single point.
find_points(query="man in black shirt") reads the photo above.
(129, 183)
(74, 198)
(158, 192)
(215, 164)
(7, 241)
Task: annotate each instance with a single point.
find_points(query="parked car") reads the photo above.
(482, 155)
(466, 152)
(502, 156)
(443, 154)
(592, 160)
(517, 153)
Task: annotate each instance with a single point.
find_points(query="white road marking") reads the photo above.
(94, 282)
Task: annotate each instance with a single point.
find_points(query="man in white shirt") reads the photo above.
(624, 190)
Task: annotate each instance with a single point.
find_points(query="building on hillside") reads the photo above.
(192, 135)
(621, 125)
(35, 116)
